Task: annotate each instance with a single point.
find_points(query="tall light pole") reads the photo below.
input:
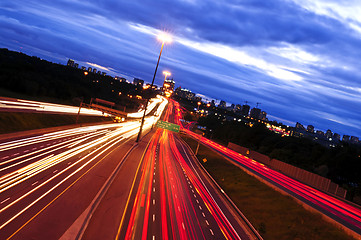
(164, 38)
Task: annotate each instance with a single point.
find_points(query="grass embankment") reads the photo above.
(274, 215)
(14, 122)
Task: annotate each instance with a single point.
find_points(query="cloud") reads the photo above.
(299, 58)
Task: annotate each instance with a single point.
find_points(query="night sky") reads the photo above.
(300, 59)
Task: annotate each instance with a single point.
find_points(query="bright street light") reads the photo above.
(166, 73)
(164, 38)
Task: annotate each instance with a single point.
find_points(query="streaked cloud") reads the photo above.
(299, 58)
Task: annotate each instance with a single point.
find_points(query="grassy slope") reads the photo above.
(274, 215)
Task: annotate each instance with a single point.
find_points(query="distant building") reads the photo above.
(83, 68)
(120, 79)
(245, 110)
(184, 93)
(231, 108)
(329, 135)
(320, 133)
(168, 87)
(238, 108)
(213, 103)
(198, 99)
(222, 104)
(138, 82)
(346, 138)
(90, 69)
(310, 129)
(336, 137)
(255, 112)
(104, 73)
(299, 126)
(94, 70)
(263, 116)
(76, 65)
(99, 72)
(354, 139)
(70, 63)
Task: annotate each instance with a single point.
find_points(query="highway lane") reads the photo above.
(345, 213)
(171, 201)
(216, 195)
(39, 172)
(35, 185)
(20, 105)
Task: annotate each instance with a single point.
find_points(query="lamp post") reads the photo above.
(198, 103)
(164, 38)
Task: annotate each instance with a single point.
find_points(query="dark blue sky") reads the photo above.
(299, 58)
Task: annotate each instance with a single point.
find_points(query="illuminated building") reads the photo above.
(83, 68)
(238, 108)
(104, 73)
(263, 116)
(138, 82)
(76, 65)
(168, 87)
(222, 104)
(94, 70)
(70, 63)
(90, 69)
(310, 129)
(184, 93)
(300, 126)
(231, 108)
(329, 134)
(120, 79)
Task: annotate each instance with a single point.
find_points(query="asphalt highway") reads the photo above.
(48, 180)
(95, 182)
(170, 198)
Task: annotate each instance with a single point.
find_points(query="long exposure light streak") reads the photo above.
(331, 205)
(183, 199)
(43, 153)
(44, 107)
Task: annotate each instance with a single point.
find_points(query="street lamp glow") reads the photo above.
(165, 38)
(166, 73)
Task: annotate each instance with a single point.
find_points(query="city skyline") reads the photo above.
(299, 58)
(218, 102)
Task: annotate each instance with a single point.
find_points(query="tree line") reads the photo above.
(29, 76)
